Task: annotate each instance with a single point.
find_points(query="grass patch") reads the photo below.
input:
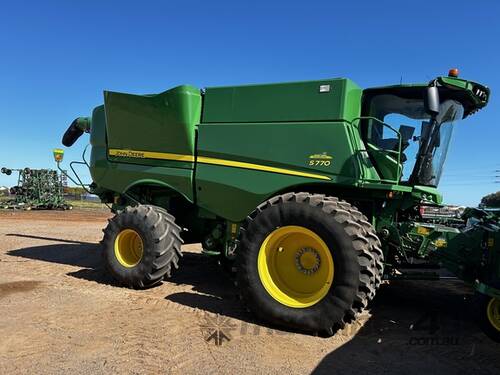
(87, 205)
(74, 203)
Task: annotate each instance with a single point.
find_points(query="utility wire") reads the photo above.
(469, 183)
(473, 170)
(470, 176)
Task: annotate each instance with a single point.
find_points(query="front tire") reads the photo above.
(304, 262)
(141, 245)
(488, 311)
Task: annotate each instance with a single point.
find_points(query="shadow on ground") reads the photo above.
(428, 325)
(45, 238)
(212, 289)
(74, 253)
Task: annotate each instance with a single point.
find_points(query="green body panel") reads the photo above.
(119, 177)
(427, 193)
(387, 187)
(156, 123)
(233, 193)
(388, 166)
(267, 144)
(283, 102)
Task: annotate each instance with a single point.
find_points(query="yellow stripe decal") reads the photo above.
(258, 167)
(149, 155)
(213, 161)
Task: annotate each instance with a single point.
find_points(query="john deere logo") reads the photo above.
(128, 154)
(322, 159)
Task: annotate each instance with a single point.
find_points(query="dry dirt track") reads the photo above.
(60, 313)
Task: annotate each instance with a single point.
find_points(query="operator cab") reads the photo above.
(407, 140)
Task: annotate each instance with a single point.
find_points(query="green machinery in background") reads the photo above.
(36, 189)
(312, 192)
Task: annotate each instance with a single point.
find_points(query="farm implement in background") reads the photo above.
(36, 189)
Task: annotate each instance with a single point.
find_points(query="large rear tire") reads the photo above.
(373, 252)
(304, 262)
(141, 245)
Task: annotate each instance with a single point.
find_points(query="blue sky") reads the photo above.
(58, 56)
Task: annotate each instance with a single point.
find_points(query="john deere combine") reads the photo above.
(311, 191)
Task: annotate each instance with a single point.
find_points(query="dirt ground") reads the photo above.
(61, 313)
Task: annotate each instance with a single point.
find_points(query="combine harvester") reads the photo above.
(308, 190)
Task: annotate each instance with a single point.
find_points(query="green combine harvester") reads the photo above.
(311, 192)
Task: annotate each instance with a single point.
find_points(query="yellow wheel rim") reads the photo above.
(493, 311)
(128, 248)
(295, 266)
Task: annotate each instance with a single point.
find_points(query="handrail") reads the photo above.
(376, 119)
(400, 142)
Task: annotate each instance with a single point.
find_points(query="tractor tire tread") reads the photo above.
(349, 302)
(161, 245)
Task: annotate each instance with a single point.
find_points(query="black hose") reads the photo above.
(72, 134)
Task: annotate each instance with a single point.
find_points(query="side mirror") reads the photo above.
(431, 100)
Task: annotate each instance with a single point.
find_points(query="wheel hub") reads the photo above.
(307, 260)
(295, 266)
(129, 248)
